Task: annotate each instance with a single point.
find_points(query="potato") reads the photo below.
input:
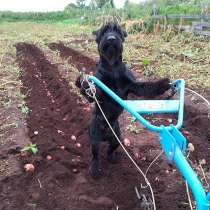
(29, 167)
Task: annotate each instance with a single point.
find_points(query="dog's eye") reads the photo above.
(105, 29)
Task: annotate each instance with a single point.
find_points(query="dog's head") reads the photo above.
(110, 38)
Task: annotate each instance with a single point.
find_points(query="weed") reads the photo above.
(132, 119)
(30, 148)
(19, 72)
(20, 95)
(24, 109)
(133, 128)
(147, 68)
(146, 62)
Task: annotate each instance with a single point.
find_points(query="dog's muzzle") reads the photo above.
(111, 38)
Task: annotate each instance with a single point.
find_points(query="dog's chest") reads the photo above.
(117, 85)
(120, 89)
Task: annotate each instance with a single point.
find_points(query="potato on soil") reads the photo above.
(29, 167)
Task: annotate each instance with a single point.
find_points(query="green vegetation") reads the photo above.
(134, 128)
(40, 16)
(24, 108)
(147, 69)
(99, 9)
(30, 148)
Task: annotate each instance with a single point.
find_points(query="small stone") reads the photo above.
(78, 145)
(75, 170)
(136, 155)
(167, 171)
(144, 158)
(60, 132)
(73, 138)
(49, 157)
(170, 120)
(65, 118)
(86, 109)
(127, 142)
(62, 147)
(157, 179)
(203, 162)
(48, 93)
(36, 132)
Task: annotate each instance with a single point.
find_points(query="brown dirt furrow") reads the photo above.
(54, 116)
(80, 61)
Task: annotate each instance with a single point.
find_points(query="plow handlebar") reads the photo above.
(171, 139)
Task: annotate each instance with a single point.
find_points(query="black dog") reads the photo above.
(113, 73)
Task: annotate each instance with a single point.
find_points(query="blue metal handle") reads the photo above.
(154, 106)
(199, 193)
(123, 104)
(208, 198)
(178, 83)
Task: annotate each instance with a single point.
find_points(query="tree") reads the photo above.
(112, 3)
(98, 3)
(80, 3)
(71, 5)
(126, 3)
(101, 3)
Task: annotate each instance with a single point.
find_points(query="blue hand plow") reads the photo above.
(171, 139)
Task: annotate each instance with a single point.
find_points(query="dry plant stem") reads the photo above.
(204, 176)
(188, 195)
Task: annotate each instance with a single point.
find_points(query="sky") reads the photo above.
(43, 5)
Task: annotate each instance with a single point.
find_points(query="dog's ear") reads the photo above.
(96, 33)
(125, 34)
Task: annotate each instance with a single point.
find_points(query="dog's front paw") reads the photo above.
(81, 82)
(163, 85)
(95, 171)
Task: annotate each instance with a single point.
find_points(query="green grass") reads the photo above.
(36, 16)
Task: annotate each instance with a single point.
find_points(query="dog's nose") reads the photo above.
(111, 38)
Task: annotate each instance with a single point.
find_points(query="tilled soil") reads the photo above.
(62, 182)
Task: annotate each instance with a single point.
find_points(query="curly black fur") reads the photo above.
(113, 73)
